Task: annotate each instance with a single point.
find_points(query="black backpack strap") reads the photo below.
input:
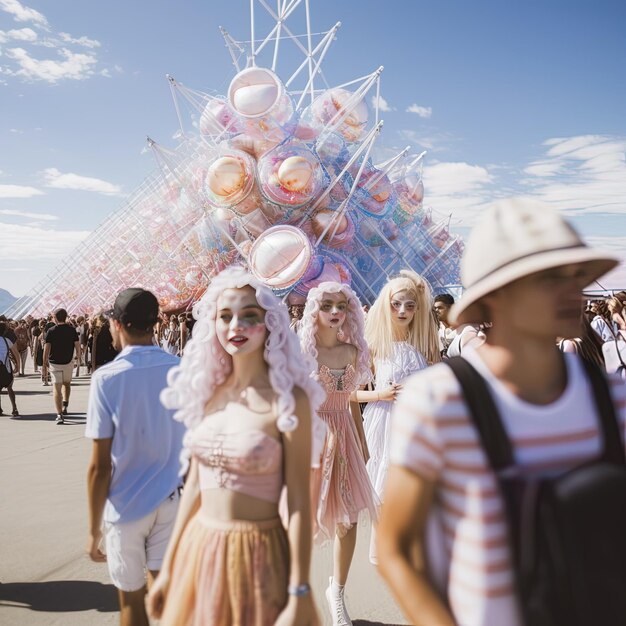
(613, 451)
(494, 439)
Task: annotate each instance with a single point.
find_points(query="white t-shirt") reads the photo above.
(602, 328)
(446, 335)
(5, 348)
(433, 436)
(466, 336)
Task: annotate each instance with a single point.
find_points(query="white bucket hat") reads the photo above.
(515, 238)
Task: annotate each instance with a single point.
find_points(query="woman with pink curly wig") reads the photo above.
(332, 331)
(244, 391)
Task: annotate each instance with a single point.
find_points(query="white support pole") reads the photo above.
(326, 42)
(231, 44)
(343, 208)
(344, 205)
(172, 84)
(332, 183)
(289, 10)
(417, 159)
(310, 48)
(389, 164)
(356, 97)
(315, 51)
(252, 43)
(377, 102)
(279, 7)
(269, 38)
(384, 170)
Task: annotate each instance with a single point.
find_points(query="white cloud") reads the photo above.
(581, 174)
(23, 13)
(56, 179)
(20, 34)
(25, 243)
(416, 138)
(73, 66)
(543, 168)
(458, 188)
(383, 105)
(73, 62)
(435, 141)
(18, 191)
(424, 112)
(80, 41)
(578, 175)
(46, 217)
(453, 178)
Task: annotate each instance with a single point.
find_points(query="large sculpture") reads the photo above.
(275, 174)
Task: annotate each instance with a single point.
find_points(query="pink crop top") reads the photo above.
(249, 462)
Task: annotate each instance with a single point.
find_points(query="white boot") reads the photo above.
(338, 611)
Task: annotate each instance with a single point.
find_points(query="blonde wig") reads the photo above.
(353, 327)
(205, 365)
(422, 332)
(615, 305)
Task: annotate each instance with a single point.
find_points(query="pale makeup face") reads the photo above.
(403, 308)
(333, 310)
(240, 323)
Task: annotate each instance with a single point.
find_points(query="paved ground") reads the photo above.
(45, 578)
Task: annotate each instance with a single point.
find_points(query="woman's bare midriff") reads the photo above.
(225, 506)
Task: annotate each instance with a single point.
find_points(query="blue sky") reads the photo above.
(508, 98)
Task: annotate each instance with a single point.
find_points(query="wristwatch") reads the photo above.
(299, 590)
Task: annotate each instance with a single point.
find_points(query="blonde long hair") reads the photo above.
(422, 331)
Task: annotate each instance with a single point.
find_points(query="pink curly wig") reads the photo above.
(353, 328)
(206, 365)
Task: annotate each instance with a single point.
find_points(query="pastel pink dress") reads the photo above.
(340, 487)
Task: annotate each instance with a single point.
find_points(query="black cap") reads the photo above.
(135, 307)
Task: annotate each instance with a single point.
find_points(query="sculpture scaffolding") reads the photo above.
(276, 175)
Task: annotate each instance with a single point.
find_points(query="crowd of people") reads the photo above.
(25, 341)
(222, 451)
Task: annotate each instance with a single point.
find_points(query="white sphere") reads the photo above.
(226, 176)
(295, 173)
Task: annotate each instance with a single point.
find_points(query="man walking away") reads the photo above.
(8, 352)
(133, 482)
(511, 455)
(58, 360)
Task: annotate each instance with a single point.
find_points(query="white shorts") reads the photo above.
(133, 547)
(61, 373)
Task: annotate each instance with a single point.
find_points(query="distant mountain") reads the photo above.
(6, 300)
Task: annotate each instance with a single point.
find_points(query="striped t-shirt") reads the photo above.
(432, 435)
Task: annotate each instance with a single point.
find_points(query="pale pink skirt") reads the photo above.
(340, 487)
(228, 574)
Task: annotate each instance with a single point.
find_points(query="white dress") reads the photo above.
(406, 360)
